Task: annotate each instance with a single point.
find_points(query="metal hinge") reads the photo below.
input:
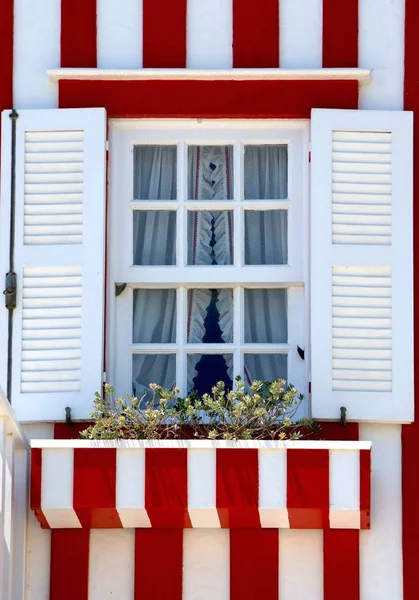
(10, 291)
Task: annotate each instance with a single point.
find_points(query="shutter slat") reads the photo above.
(362, 273)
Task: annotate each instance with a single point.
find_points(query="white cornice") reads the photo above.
(361, 75)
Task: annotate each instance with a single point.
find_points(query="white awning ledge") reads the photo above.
(363, 76)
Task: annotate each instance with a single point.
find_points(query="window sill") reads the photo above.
(182, 484)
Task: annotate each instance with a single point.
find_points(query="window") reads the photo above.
(208, 230)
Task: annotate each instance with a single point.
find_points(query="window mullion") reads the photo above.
(181, 334)
(238, 333)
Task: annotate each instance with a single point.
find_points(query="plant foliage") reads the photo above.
(265, 410)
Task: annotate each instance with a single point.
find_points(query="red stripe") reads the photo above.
(6, 55)
(164, 33)
(337, 432)
(166, 487)
(69, 576)
(365, 488)
(340, 33)
(237, 488)
(308, 489)
(341, 564)
(78, 33)
(254, 563)
(255, 33)
(209, 99)
(410, 433)
(62, 431)
(36, 486)
(95, 487)
(158, 564)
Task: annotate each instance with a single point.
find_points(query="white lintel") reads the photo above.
(363, 76)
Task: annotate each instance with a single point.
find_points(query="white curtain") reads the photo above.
(264, 367)
(210, 242)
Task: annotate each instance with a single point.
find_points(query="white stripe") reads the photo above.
(202, 488)
(380, 548)
(273, 488)
(344, 487)
(119, 34)
(301, 564)
(38, 554)
(301, 33)
(36, 49)
(57, 488)
(206, 564)
(130, 487)
(209, 34)
(111, 564)
(381, 47)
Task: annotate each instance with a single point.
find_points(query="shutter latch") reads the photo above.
(10, 291)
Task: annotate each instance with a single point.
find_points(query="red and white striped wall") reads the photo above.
(248, 485)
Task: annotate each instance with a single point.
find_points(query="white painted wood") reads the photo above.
(111, 564)
(130, 487)
(209, 34)
(3, 474)
(300, 34)
(381, 47)
(36, 48)
(206, 564)
(273, 488)
(8, 518)
(300, 564)
(20, 507)
(38, 560)
(361, 75)
(381, 563)
(344, 487)
(119, 34)
(59, 260)
(57, 488)
(361, 298)
(202, 488)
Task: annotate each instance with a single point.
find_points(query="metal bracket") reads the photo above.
(343, 416)
(68, 416)
(119, 288)
(301, 352)
(10, 291)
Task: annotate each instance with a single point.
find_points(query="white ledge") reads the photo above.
(361, 75)
(204, 444)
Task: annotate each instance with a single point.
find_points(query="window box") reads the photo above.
(183, 484)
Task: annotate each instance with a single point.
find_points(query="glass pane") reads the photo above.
(266, 237)
(154, 320)
(155, 172)
(264, 367)
(205, 370)
(210, 316)
(154, 233)
(152, 368)
(210, 237)
(266, 172)
(210, 172)
(265, 316)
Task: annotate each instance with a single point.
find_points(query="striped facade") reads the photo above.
(204, 563)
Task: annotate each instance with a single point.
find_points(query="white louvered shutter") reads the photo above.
(362, 265)
(59, 260)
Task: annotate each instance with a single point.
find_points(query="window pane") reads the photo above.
(152, 368)
(264, 367)
(266, 237)
(210, 237)
(205, 370)
(155, 172)
(154, 319)
(265, 316)
(154, 234)
(210, 316)
(265, 172)
(210, 172)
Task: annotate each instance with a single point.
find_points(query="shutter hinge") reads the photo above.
(10, 291)
(309, 152)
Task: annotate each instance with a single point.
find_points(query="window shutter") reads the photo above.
(362, 265)
(59, 260)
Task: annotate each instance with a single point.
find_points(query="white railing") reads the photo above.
(14, 458)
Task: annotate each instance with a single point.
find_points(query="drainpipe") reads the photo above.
(10, 290)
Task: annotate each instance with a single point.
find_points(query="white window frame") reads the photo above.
(124, 135)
